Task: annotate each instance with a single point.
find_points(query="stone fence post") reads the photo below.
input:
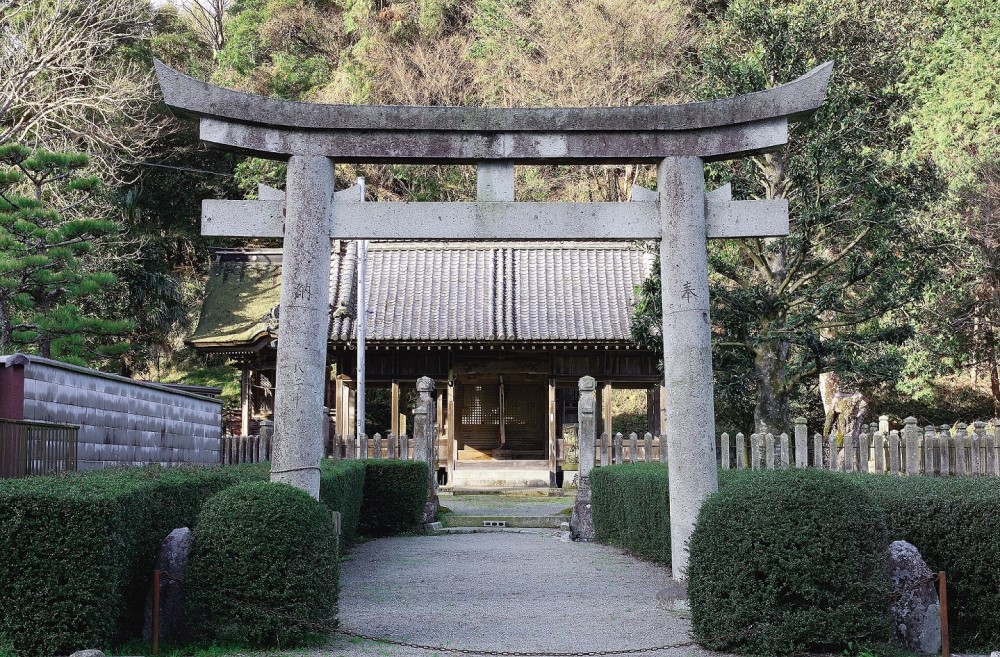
(425, 441)
(582, 521)
(265, 432)
(801, 443)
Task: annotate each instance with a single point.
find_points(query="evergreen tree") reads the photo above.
(49, 298)
(817, 307)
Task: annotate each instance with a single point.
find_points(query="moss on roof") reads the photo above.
(239, 298)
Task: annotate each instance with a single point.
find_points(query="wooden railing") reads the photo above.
(36, 448)
(378, 446)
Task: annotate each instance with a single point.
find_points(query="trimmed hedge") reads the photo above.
(76, 551)
(395, 497)
(955, 523)
(263, 569)
(796, 555)
(342, 488)
(631, 508)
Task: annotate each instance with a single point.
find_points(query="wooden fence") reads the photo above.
(630, 449)
(956, 450)
(376, 447)
(36, 448)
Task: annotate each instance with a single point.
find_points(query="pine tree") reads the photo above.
(49, 292)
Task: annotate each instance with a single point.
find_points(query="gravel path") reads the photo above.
(513, 590)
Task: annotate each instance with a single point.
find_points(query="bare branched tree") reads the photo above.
(208, 17)
(68, 81)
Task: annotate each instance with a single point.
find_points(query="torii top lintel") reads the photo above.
(713, 130)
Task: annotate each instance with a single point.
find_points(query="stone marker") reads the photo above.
(173, 559)
(582, 520)
(425, 441)
(916, 612)
(91, 652)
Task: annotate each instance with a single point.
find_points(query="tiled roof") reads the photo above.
(483, 292)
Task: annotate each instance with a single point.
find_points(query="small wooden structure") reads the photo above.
(511, 325)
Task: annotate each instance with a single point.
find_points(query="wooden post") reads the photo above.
(452, 432)
(155, 620)
(663, 421)
(394, 407)
(607, 417)
(439, 424)
(991, 449)
(943, 602)
(553, 438)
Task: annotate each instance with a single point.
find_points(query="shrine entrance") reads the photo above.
(681, 215)
(502, 419)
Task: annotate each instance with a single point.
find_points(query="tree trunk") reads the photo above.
(771, 412)
(990, 343)
(6, 332)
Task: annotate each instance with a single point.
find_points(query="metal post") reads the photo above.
(361, 322)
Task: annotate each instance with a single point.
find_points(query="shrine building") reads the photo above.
(497, 325)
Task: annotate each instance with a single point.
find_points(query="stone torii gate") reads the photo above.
(678, 138)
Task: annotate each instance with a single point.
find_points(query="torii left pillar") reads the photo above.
(304, 304)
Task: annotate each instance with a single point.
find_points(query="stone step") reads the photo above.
(493, 522)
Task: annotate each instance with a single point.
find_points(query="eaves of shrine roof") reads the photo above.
(447, 292)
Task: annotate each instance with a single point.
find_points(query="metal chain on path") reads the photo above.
(332, 629)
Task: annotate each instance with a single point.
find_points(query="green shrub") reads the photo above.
(955, 523)
(395, 497)
(788, 561)
(263, 569)
(76, 551)
(631, 508)
(342, 488)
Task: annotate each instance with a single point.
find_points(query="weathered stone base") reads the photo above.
(582, 520)
(431, 509)
(916, 611)
(173, 560)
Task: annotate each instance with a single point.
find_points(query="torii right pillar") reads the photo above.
(687, 349)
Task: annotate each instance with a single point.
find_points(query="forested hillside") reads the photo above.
(885, 296)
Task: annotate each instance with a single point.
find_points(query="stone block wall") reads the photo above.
(122, 421)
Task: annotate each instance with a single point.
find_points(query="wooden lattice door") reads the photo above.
(525, 415)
